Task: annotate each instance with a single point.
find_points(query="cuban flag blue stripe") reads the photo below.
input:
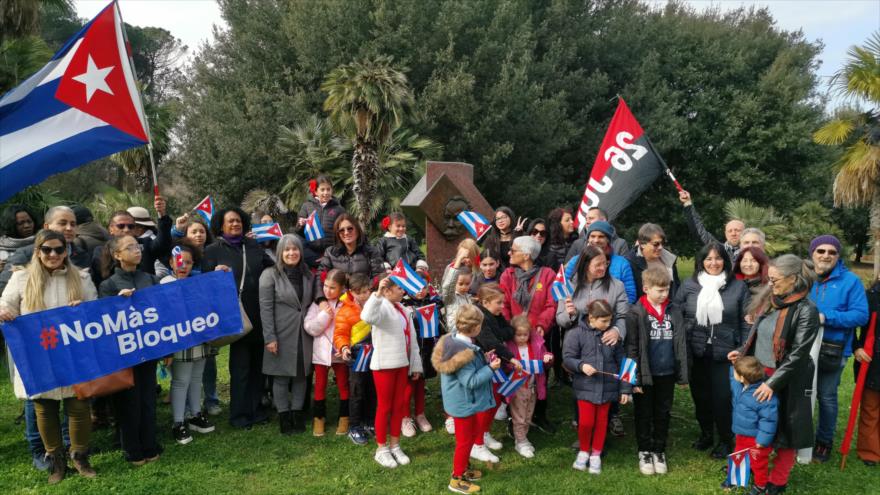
(39, 105)
(510, 387)
(499, 377)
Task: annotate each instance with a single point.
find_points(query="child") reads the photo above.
(415, 390)
(187, 366)
(595, 384)
(351, 334)
(522, 404)
(656, 340)
(488, 272)
(319, 323)
(456, 281)
(466, 383)
(395, 244)
(754, 423)
(327, 208)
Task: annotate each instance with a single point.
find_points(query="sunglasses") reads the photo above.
(123, 226)
(345, 230)
(542, 233)
(829, 252)
(47, 250)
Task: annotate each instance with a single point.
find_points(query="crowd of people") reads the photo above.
(742, 333)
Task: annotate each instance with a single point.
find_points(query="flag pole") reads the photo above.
(857, 394)
(663, 162)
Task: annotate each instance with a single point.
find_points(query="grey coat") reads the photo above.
(283, 317)
(615, 294)
(583, 345)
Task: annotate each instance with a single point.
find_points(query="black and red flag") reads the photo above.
(625, 166)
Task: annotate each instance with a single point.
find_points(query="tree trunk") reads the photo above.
(365, 169)
(875, 229)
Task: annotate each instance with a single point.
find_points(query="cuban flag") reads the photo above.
(362, 361)
(628, 371)
(533, 366)
(267, 232)
(476, 224)
(429, 323)
(510, 387)
(561, 287)
(81, 106)
(313, 228)
(206, 209)
(178, 256)
(404, 276)
(499, 377)
(738, 467)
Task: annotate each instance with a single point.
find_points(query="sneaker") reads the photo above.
(423, 424)
(460, 485)
(450, 425)
(821, 453)
(581, 461)
(181, 434)
(200, 423)
(595, 464)
(501, 413)
(472, 475)
(757, 490)
(491, 442)
(384, 458)
(646, 463)
(660, 463)
(357, 435)
(615, 426)
(213, 410)
(399, 456)
(408, 427)
(525, 449)
(481, 453)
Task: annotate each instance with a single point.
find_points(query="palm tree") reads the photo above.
(856, 183)
(20, 18)
(366, 102)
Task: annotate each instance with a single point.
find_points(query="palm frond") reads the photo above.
(834, 132)
(860, 75)
(859, 170)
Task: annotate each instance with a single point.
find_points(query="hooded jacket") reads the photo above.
(750, 417)
(465, 377)
(327, 215)
(350, 329)
(583, 345)
(840, 296)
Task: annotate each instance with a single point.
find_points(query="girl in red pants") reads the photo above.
(395, 360)
(320, 323)
(415, 390)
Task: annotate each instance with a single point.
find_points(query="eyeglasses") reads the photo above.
(829, 252)
(132, 247)
(47, 250)
(656, 244)
(345, 230)
(124, 226)
(775, 281)
(541, 233)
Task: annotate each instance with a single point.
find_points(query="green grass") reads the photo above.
(261, 461)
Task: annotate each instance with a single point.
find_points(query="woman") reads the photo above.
(751, 267)
(781, 340)
(51, 281)
(234, 252)
(591, 282)
(714, 304)
(17, 228)
(562, 236)
(501, 235)
(135, 407)
(351, 253)
(286, 292)
(651, 251)
(537, 229)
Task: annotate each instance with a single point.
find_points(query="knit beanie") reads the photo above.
(603, 227)
(825, 239)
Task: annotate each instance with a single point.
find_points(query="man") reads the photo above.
(752, 237)
(840, 298)
(89, 233)
(732, 230)
(143, 224)
(596, 214)
(599, 234)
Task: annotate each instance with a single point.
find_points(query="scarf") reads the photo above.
(234, 240)
(783, 321)
(710, 307)
(522, 295)
(650, 308)
(295, 276)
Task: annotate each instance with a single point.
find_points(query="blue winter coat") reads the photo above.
(841, 298)
(619, 268)
(750, 417)
(465, 377)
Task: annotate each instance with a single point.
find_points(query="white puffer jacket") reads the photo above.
(389, 339)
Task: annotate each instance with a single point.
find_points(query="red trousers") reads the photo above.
(485, 418)
(592, 423)
(466, 432)
(760, 462)
(415, 389)
(390, 401)
(340, 371)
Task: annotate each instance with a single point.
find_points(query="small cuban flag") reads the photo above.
(404, 276)
(206, 209)
(476, 224)
(178, 256)
(313, 229)
(267, 232)
(561, 287)
(499, 377)
(517, 379)
(429, 323)
(738, 467)
(533, 366)
(628, 371)
(362, 361)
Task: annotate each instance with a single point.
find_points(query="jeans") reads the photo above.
(827, 383)
(32, 433)
(209, 382)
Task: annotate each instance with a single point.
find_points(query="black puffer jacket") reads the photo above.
(872, 381)
(364, 260)
(327, 214)
(494, 335)
(724, 337)
(122, 279)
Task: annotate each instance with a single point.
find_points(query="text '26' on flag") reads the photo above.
(267, 232)
(81, 106)
(625, 166)
(428, 321)
(475, 223)
(738, 469)
(404, 276)
(561, 286)
(313, 228)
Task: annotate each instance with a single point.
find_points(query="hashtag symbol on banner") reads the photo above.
(48, 338)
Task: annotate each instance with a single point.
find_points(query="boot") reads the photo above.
(318, 427)
(284, 422)
(82, 465)
(297, 424)
(59, 467)
(342, 427)
(319, 409)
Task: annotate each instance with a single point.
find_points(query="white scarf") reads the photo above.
(709, 304)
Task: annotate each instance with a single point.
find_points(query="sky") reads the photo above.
(839, 24)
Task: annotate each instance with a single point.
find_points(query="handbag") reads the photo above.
(105, 385)
(246, 325)
(830, 356)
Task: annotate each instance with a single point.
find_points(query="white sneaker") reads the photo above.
(501, 413)
(659, 463)
(399, 456)
(384, 458)
(491, 442)
(408, 427)
(525, 449)
(481, 453)
(595, 464)
(580, 462)
(646, 463)
(450, 425)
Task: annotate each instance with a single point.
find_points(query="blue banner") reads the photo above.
(69, 345)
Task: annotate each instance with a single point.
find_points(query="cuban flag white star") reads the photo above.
(95, 79)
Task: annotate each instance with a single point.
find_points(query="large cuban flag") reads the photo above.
(83, 105)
